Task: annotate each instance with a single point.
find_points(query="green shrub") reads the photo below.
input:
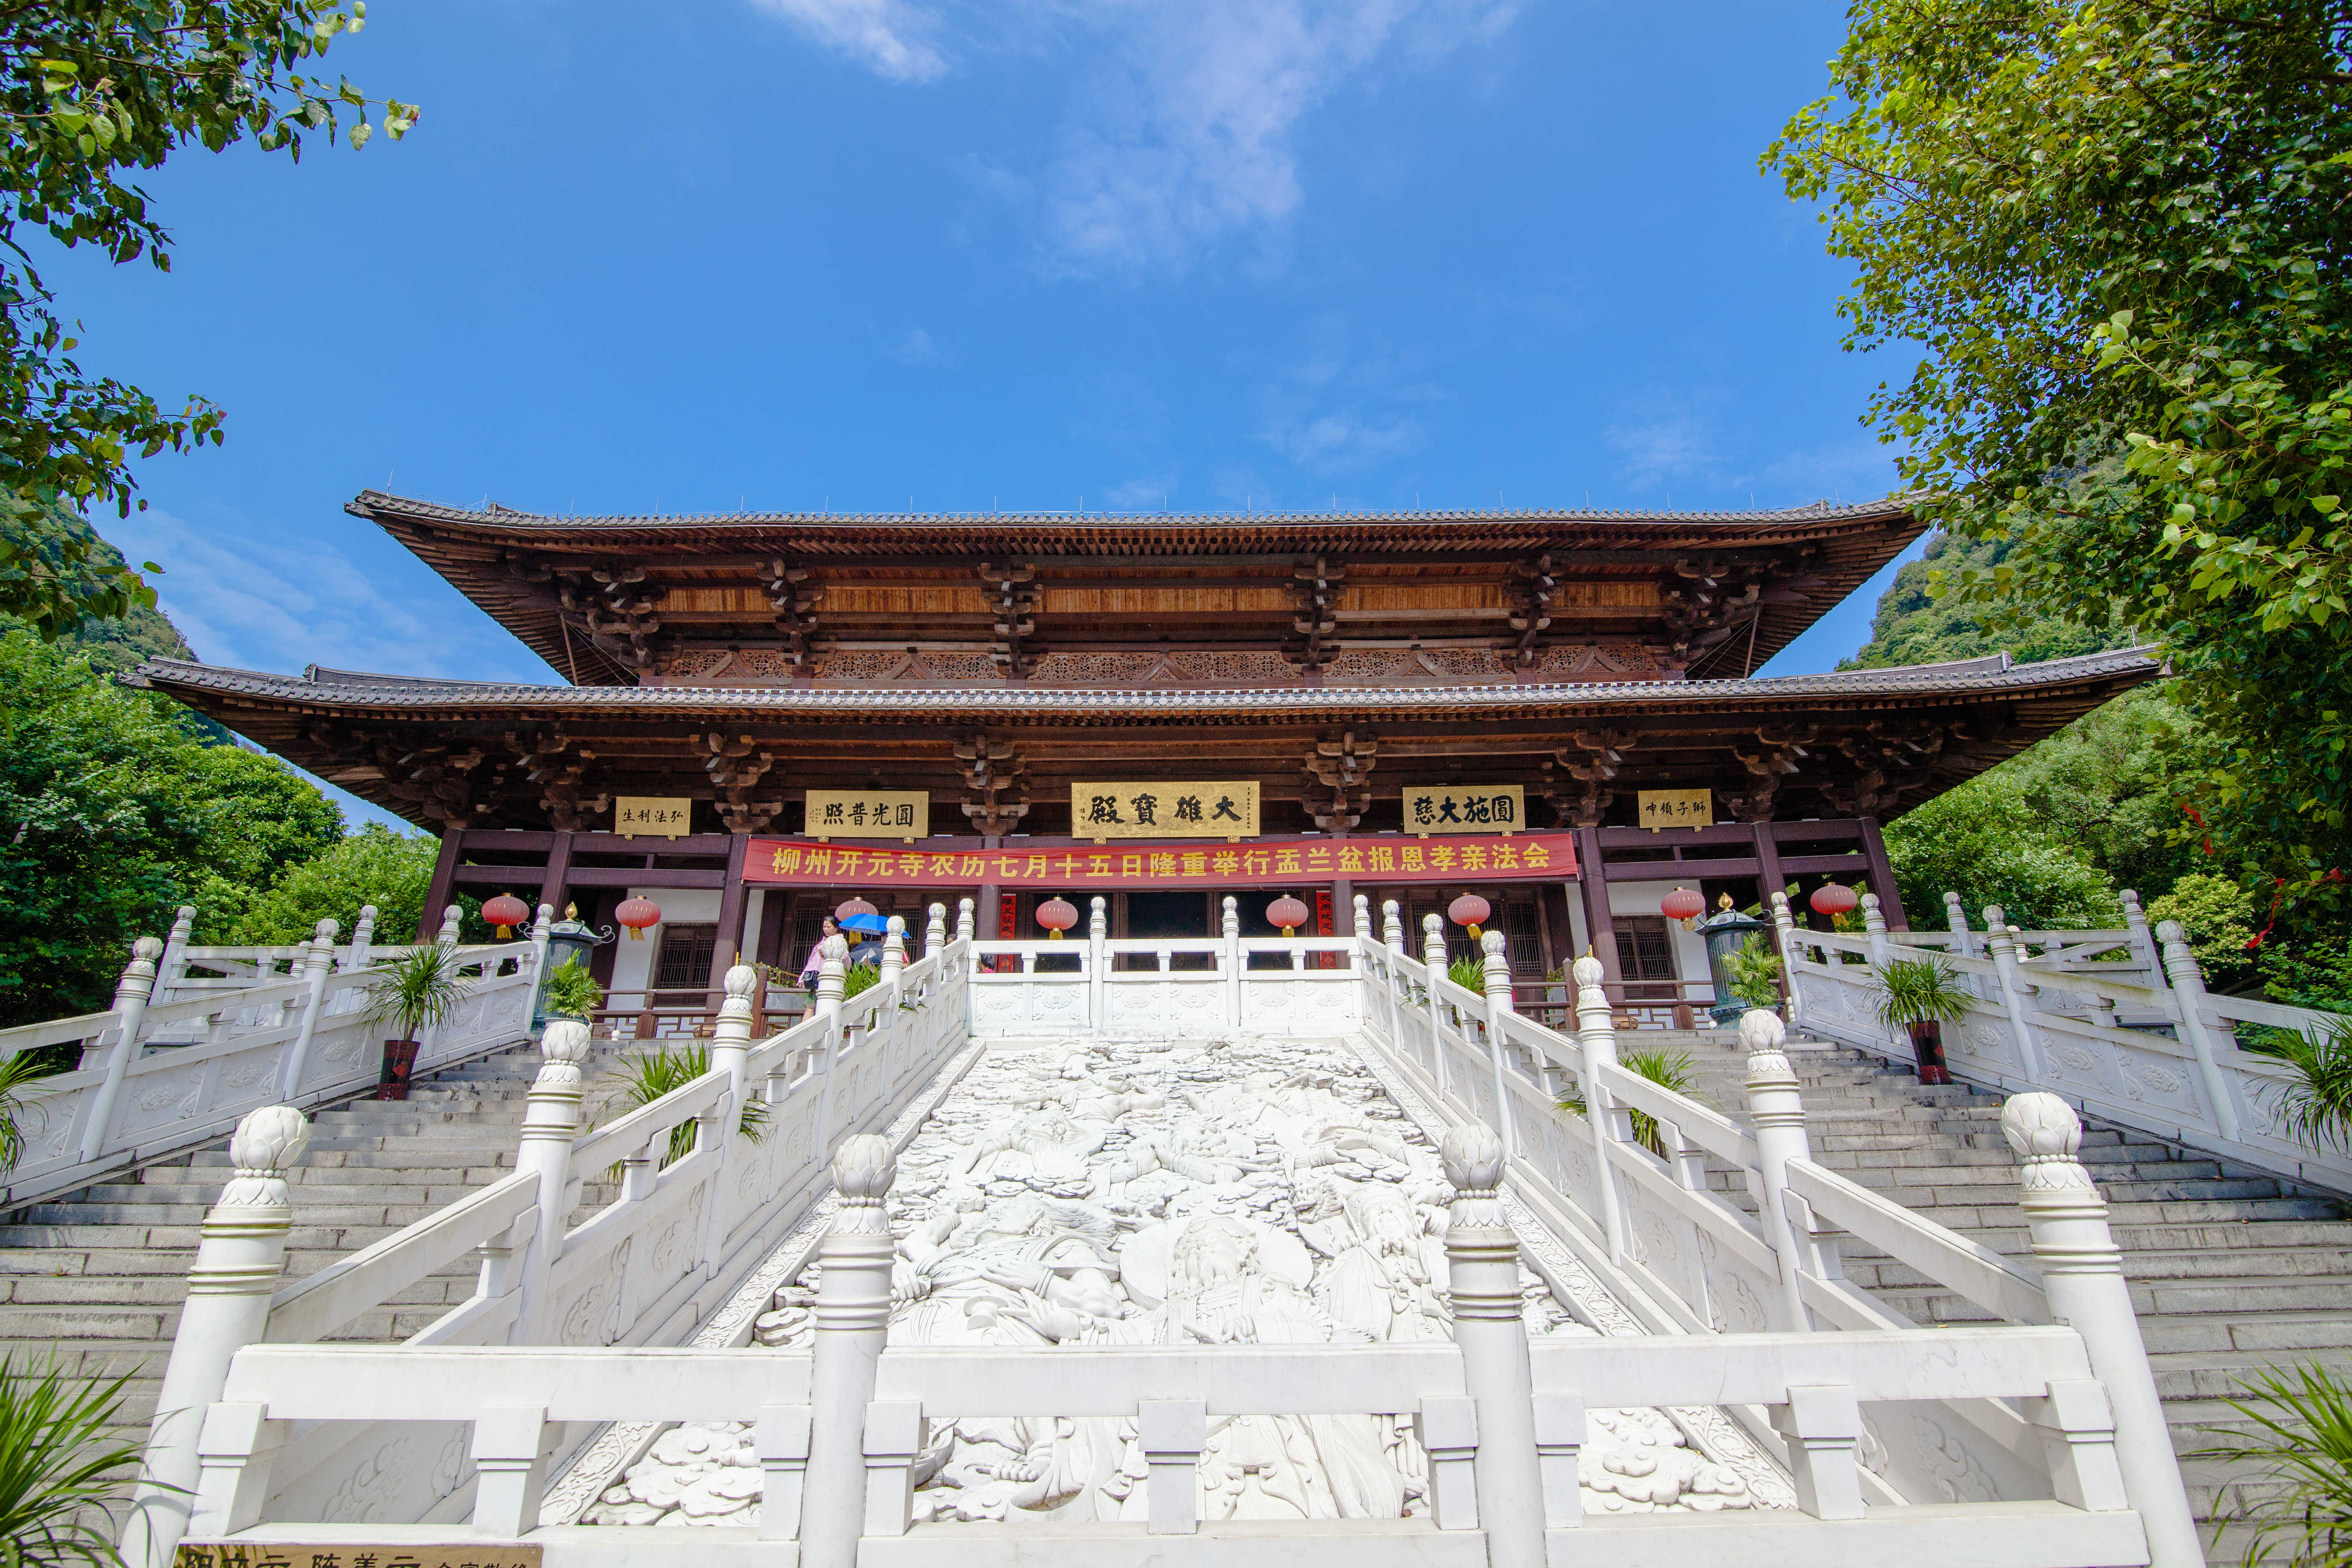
(859, 977)
(571, 992)
(1754, 971)
(60, 1473)
(646, 1076)
(2302, 1445)
(1669, 1069)
(1920, 991)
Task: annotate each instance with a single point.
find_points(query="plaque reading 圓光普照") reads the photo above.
(868, 813)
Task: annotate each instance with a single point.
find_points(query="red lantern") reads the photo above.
(1683, 904)
(506, 911)
(1470, 910)
(853, 907)
(636, 913)
(1286, 912)
(1834, 899)
(1057, 915)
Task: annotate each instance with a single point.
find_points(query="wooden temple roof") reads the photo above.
(447, 753)
(1089, 601)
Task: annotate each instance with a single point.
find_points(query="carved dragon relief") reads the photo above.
(991, 767)
(1343, 763)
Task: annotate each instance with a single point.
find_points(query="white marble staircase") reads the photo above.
(2232, 1268)
(96, 1278)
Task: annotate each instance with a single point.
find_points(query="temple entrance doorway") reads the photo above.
(1178, 913)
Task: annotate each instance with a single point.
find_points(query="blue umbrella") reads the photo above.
(866, 922)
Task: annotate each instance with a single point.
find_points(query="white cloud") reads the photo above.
(1183, 129)
(1333, 441)
(888, 37)
(1676, 446)
(244, 599)
(917, 347)
(1149, 493)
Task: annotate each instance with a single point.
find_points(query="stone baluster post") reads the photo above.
(2082, 1273)
(551, 1120)
(541, 925)
(450, 916)
(1874, 925)
(1482, 1258)
(1964, 941)
(1777, 1111)
(1497, 977)
(731, 1050)
(2014, 990)
(2143, 944)
(2189, 996)
(832, 970)
(1392, 926)
(361, 953)
(893, 964)
(1596, 1033)
(174, 961)
(853, 1315)
(1363, 921)
(239, 1258)
(130, 995)
(1098, 957)
(964, 923)
(1433, 959)
(315, 970)
(1784, 932)
(1229, 930)
(935, 931)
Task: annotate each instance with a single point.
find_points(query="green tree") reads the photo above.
(1985, 842)
(89, 92)
(2113, 233)
(114, 808)
(1913, 626)
(2218, 918)
(373, 866)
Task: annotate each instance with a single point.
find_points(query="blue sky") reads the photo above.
(870, 254)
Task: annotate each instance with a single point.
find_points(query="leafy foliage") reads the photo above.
(2112, 233)
(1754, 970)
(2302, 1442)
(59, 1471)
(90, 91)
(1469, 972)
(113, 810)
(17, 1073)
(571, 992)
(1914, 626)
(1669, 1069)
(1919, 991)
(2316, 1106)
(1988, 843)
(2218, 918)
(421, 990)
(373, 866)
(859, 977)
(646, 1076)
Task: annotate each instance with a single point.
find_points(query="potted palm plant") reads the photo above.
(1920, 995)
(419, 991)
(571, 992)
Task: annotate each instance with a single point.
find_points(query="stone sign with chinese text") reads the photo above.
(1677, 808)
(1465, 808)
(1164, 810)
(868, 813)
(652, 816)
(352, 1554)
(950, 864)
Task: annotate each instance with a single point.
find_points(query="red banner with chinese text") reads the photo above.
(1527, 856)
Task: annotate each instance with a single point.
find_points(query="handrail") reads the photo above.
(312, 1308)
(1980, 1274)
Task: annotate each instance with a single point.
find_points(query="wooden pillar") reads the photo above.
(771, 926)
(1767, 859)
(1343, 907)
(437, 892)
(986, 921)
(1882, 876)
(559, 871)
(723, 952)
(1598, 930)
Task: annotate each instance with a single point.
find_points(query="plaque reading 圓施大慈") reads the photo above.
(1162, 809)
(653, 816)
(1465, 808)
(868, 813)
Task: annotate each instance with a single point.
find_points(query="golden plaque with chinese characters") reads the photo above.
(1159, 809)
(1465, 808)
(1676, 808)
(653, 816)
(901, 813)
(352, 1554)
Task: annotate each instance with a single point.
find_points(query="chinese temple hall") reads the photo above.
(761, 716)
